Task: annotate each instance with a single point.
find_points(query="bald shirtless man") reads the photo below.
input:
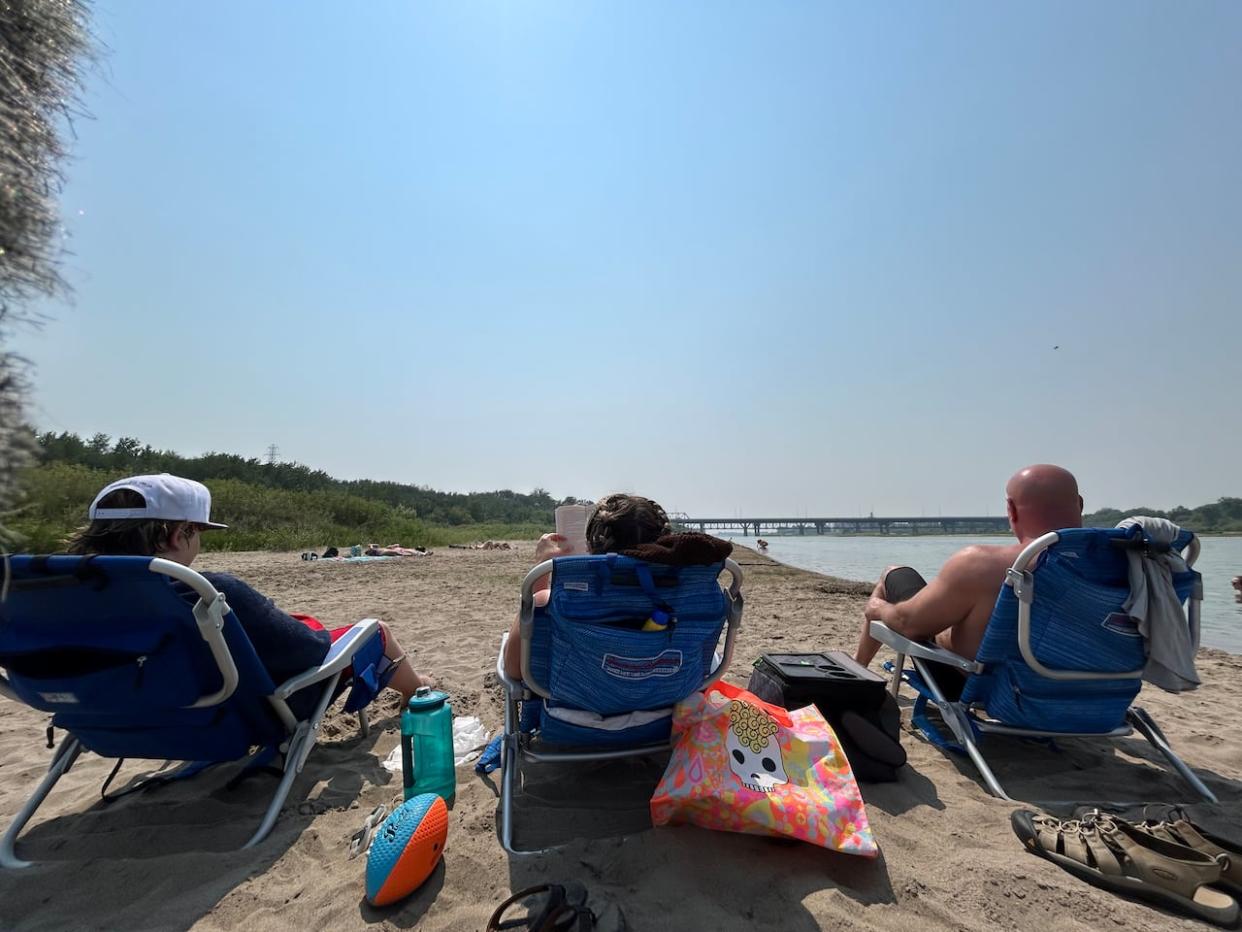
(954, 608)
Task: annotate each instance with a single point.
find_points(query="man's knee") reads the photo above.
(902, 582)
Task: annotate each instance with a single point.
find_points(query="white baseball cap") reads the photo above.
(168, 498)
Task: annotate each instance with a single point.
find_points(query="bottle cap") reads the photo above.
(426, 698)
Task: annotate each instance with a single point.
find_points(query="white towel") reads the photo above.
(1154, 604)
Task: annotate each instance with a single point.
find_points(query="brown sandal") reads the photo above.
(1117, 856)
(1173, 823)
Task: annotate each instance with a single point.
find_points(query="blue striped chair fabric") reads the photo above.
(1077, 623)
(116, 662)
(587, 646)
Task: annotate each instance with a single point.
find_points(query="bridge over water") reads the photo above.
(955, 524)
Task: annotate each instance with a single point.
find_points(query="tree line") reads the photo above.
(1224, 516)
(129, 455)
(286, 506)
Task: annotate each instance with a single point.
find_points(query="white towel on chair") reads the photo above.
(1154, 604)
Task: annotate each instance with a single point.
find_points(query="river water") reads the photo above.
(865, 557)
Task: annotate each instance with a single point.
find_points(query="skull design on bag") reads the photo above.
(754, 753)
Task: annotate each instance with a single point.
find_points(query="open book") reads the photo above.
(571, 523)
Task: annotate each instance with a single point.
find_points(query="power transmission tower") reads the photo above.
(271, 454)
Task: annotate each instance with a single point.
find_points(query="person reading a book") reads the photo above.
(954, 608)
(620, 522)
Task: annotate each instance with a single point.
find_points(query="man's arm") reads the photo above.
(944, 602)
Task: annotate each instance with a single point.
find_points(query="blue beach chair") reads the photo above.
(594, 685)
(1060, 658)
(133, 665)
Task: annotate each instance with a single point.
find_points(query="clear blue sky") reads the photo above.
(779, 257)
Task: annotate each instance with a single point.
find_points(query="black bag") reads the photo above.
(853, 699)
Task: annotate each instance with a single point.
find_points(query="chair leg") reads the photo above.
(364, 724)
(62, 760)
(976, 756)
(956, 717)
(895, 685)
(1148, 728)
(300, 744)
(508, 771)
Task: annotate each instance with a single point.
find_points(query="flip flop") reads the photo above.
(360, 840)
(871, 740)
(557, 908)
(1116, 856)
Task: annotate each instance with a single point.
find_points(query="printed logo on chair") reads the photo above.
(667, 663)
(59, 698)
(1121, 623)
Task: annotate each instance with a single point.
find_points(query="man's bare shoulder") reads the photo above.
(980, 563)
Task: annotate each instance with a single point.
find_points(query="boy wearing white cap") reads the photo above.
(164, 516)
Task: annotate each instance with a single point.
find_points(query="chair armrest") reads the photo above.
(209, 612)
(340, 656)
(736, 601)
(526, 625)
(921, 649)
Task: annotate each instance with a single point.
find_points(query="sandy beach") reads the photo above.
(167, 859)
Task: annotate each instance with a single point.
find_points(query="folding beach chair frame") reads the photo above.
(968, 722)
(209, 613)
(515, 746)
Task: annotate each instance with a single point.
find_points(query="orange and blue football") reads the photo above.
(406, 849)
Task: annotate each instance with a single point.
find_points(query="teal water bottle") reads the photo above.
(427, 745)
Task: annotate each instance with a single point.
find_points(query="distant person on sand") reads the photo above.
(762, 544)
(164, 516)
(954, 608)
(620, 522)
(393, 550)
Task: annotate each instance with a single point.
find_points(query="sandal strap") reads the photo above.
(1161, 863)
(537, 922)
(1079, 841)
(1184, 832)
(1075, 844)
(568, 918)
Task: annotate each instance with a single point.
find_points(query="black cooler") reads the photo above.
(852, 698)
